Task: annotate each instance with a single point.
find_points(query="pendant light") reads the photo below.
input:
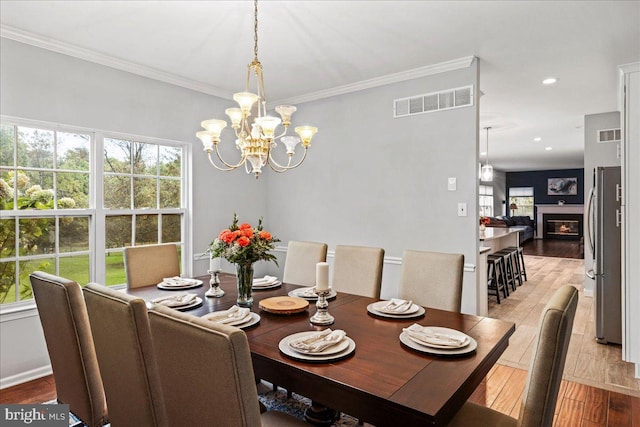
(486, 173)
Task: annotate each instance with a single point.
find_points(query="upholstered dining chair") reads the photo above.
(126, 356)
(65, 322)
(432, 279)
(545, 370)
(358, 270)
(148, 265)
(300, 265)
(206, 373)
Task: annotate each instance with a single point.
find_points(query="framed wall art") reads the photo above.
(562, 186)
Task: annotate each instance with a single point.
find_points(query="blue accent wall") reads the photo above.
(538, 180)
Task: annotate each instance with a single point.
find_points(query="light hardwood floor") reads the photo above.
(588, 362)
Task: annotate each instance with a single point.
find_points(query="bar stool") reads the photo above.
(515, 263)
(510, 270)
(520, 260)
(495, 276)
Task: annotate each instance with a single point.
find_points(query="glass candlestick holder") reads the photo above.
(322, 316)
(214, 283)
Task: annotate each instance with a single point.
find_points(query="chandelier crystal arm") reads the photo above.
(275, 166)
(216, 166)
(230, 166)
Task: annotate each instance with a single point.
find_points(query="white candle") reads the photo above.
(214, 264)
(322, 276)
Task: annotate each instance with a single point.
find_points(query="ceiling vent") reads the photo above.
(608, 135)
(435, 101)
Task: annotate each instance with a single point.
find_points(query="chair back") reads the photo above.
(148, 265)
(67, 332)
(548, 359)
(432, 279)
(300, 265)
(358, 270)
(205, 371)
(120, 326)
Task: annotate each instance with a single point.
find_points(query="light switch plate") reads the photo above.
(451, 183)
(462, 209)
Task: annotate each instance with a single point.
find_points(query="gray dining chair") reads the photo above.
(358, 270)
(432, 279)
(148, 265)
(545, 370)
(67, 333)
(206, 373)
(300, 265)
(127, 359)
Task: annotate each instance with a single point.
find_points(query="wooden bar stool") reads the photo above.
(515, 263)
(509, 267)
(495, 276)
(520, 260)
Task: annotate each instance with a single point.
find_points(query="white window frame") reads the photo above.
(96, 212)
(482, 194)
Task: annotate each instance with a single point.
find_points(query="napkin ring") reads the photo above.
(214, 291)
(322, 316)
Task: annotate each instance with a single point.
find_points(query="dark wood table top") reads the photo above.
(383, 382)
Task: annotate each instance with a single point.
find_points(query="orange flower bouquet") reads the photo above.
(485, 220)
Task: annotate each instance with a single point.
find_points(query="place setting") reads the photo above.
(396, 308)
(437, 340)
(317, 346)
(266, 282)
(178, 283)
(182, 301)
(311, 294)
(235, 316)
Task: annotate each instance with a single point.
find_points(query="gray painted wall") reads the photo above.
(595, 155)
(374, 180)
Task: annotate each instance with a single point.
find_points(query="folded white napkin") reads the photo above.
(318, 342)
(396, 305)
(306, 292)
(178, 281)
(232, 315)
(264, 281)
(428, 336)
(177, 300)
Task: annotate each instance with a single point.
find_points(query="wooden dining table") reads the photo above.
(383, 382)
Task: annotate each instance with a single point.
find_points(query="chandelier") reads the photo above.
(256, 140)
(486, 173)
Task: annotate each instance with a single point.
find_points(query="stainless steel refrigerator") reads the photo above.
(604, 237)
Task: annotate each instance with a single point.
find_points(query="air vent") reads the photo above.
(608, 135)
(436, 101)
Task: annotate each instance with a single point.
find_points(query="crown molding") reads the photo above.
(429, 70)
(109, 61)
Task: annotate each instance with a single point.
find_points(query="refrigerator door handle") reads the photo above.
(590, 274)
(618, 218)
(618, 192)
(589, 234)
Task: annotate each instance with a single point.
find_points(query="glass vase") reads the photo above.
(244, 280)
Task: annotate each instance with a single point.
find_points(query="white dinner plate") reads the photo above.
(196, 303)
(283, 345)
(255, 318)
(471, 347)
(443, 331)
(273, 285)
(326, 352)
(298, 293)
(195, 284)
(235, 322)
(379, 306)
(375, 312)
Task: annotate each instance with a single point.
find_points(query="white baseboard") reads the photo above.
(23, 377)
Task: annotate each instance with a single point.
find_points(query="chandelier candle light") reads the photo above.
(256, 140)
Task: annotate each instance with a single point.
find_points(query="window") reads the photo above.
(521, 201)
(486, 200)
(72, 199)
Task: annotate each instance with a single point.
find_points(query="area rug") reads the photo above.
(273, 400)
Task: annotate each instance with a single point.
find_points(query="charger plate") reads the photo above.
(283, 345)
(284, 305)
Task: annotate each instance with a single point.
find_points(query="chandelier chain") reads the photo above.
(255, 31)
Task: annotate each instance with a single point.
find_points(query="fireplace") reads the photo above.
(562, 226)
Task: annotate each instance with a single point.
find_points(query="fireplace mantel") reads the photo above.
(554, 209)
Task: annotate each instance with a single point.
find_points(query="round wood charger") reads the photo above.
(284, 305)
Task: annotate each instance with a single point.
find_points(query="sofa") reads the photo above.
(523, 224)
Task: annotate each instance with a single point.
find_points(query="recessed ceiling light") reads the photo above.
(548, 148)
(537, 139)
(549, 81)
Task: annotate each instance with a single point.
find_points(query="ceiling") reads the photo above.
(312, 46)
